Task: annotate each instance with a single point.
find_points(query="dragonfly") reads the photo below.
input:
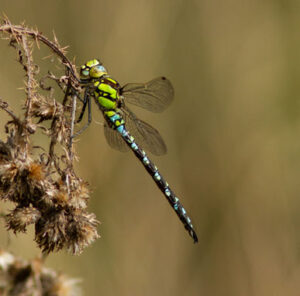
(123, 130)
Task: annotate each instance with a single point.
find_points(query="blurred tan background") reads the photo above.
(233, 134)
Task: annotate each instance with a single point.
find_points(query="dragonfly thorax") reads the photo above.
(106, 93)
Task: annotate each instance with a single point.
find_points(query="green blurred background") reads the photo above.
(232, 133)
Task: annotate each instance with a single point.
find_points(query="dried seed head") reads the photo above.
(50, 230)
(81, 231)
(64, 286)
(27, 278)
(80, 195)
(20, 218)
(45, 109)
(6, 259)
(36, 171)
(72, 228)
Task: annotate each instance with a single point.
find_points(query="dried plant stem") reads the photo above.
(43, 186)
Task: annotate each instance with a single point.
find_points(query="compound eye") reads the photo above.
(85, 72)
(100, 68)
(97, 71)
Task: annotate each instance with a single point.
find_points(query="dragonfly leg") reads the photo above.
(86, 102)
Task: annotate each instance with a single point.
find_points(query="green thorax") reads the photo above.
(107, 93)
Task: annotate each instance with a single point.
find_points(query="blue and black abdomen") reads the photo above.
(117, 122)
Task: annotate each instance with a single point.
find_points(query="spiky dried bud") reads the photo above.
(27, 278)
(45, 109)
(80, 194)
(50, 230)
(81, 230)
(68, 227)
(20, 218)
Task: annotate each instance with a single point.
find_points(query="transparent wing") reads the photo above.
(155, 95)
(114, 139)
(146, 136)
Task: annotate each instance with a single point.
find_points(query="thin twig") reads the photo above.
(4, 106)
(17, 30)
(30, 76)
(74, 100)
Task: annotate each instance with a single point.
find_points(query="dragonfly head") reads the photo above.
(92, 69)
